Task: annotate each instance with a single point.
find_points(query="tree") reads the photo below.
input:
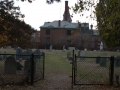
(79, 40)
(107, 14)
(108, 21)
(12, 29)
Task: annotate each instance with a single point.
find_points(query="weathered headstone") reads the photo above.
(51, 48)
(27, 67)
(63, 47)
(68, 55)
(37, 54)
(98, 60)
(117, 61)
(4, 56)
(79, 53)
(18, 53)
(29, 52)
(103, 62)
(24, 57)
(19, 66)
(82, 55)
(10, 65)
(0, 56)
(101, 46)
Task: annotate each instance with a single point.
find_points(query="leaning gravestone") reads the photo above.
(68, 55)
(18, 53)
(117, 61)
(10, 65)
(103, 62)
(98, 60)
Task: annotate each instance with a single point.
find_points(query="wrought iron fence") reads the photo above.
(21, 69)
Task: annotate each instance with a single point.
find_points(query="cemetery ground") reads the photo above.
(58, 71)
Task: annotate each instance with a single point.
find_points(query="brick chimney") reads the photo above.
(66, 15)
(59, 23)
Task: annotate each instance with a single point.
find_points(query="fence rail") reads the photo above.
(21, 69)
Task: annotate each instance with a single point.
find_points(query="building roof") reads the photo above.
(63, 24)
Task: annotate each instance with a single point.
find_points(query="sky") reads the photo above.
(38, 12)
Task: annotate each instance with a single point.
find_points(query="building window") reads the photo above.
(68, 32)
(48, 31)
(47, 39)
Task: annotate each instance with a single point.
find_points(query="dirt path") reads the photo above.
(56, 81)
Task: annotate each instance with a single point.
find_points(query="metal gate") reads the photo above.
(92, 70)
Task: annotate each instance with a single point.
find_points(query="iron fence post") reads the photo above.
(72, 70)
(43, 64)
(111, 70)
(32, 69)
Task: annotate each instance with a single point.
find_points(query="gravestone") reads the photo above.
(79, 53)
(29, 53)
(101, 46)
(68, 55)
(37, 54)
(71, 48)
(0, 56)
(64, 48)
(18, 66)
(98, 60)
(117, 61)
(4, 56)
(51, 48)
(24, 57)
(27, 67)
(82, 54)
(103, 62)
(18, 53)
(10, 65)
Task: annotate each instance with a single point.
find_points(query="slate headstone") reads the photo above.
(4, 56)
(68, 55)
(103, 62)
(117, 61)
(10, 65)
(18, 66)
(98, 60)
(18, 53)
(79, 53)
(37, 54)
(29, 53)
(27, 67)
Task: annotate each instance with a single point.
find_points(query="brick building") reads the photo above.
(59, 32)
